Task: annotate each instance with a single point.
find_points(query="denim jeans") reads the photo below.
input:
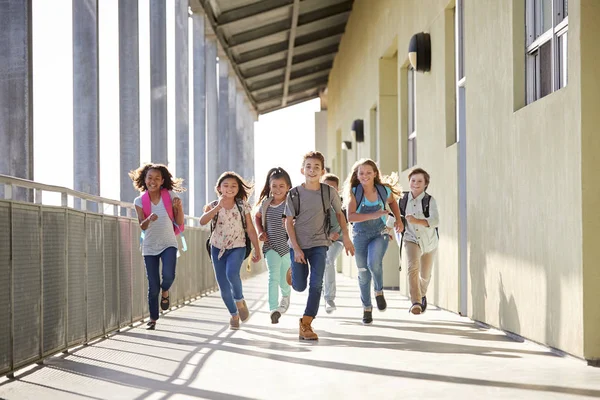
(227, 272)
(369, 251)
(278, 267)
(315, 256)
(329, 277)
(169, 260)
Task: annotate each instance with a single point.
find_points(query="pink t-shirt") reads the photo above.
(229, 232)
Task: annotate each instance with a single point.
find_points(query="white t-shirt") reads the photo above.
(159, 235)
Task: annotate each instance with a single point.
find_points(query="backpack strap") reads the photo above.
(166, 198)
(425, 205)
(360, 194)
(263, 210)
(326, 199)
(240, 207)
(213, 222)
(381, 189)
(294, 195)
(146, 205)
(402, 203)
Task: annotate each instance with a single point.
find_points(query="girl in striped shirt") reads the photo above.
(270, 229)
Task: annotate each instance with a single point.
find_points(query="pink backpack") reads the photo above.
(166, 198)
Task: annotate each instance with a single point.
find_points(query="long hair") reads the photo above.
(244, 188)
(138, 176)
(389, 181)
(274, 173)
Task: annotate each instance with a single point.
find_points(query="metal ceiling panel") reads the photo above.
(281, 50)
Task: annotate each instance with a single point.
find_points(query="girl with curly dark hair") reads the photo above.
(160, 213)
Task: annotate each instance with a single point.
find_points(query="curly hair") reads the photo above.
(244, 188)
(389, 181)
(274, 173)
(138, 176)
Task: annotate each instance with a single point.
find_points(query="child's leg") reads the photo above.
(234, 264)
(169, 261)
(299, 272)
(376, 250)
(413, 256)
(426, 267)
(152, 264)
(316, 259)
(329, 278)
(220, 266)
(285, 265)
(274, 265)
(361, 247)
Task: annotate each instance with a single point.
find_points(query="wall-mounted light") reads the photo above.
(346, 145)
(419, 52)
(358, 130)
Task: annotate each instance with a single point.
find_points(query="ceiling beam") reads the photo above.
(290, 56)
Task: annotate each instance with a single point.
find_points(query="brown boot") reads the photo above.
(306, 332)
(243, 310)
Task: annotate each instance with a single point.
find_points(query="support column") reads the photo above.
(182, 93)
(250, 142)
(200, 110)
(232, 139)
(86, 137)
(158, 81)
(240, 147)
(129, 95)
(223, 118)
(212, 100)
(16, 94)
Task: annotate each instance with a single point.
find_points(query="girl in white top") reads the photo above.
(228, 241)
(160, 242)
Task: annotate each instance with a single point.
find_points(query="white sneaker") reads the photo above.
(330, 306)
(284, 304)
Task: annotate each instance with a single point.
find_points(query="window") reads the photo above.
(547, 23)
(412, 125)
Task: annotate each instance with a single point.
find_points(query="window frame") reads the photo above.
(535, 39)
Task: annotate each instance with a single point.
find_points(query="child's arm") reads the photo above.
(260, 230)
(178, 211)
(144, 223)
(434, 218)
(354, 216)
(337, 206)
(253, 238)
(291, 231)
(209, 213)
(398, 225)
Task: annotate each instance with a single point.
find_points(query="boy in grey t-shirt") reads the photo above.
(309, 239)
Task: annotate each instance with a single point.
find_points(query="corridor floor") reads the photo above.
(193, 355)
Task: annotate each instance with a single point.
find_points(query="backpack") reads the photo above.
(360, 194)
(424, 204)
(213, 225)
(294, 195)
(168, 204)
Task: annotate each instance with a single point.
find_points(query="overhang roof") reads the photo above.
(281, 50)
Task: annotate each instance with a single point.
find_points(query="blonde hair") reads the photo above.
(390, 181)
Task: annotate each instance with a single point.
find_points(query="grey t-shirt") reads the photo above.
(159, 235)
(309, 225)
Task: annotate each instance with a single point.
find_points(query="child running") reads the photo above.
(160, 213)
(367, 194)
(228, 241)
(270, 229)
(337, 244)
(307, 224)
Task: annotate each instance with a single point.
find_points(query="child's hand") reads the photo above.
(348, 246)
(411, 219)
(256, 256)
(299, 256)
(380, 213)
(398, 226)
(153, 217)
(177, 203)
(263, 237)
(334, 236)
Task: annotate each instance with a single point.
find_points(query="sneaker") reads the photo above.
(164, 303)
(243, 310)
(288, 276)
(381, 303)
(367, 317)
(234, 324)
(284, 304)
(330, 306)
(424, 303)
(416, 309)
(275, 315)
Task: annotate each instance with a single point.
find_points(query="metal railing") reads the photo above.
(69, 276)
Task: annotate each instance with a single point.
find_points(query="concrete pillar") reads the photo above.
(233, 139)
(16, 94)
(199, 110)
(223, 118)
(212, 159)
(129, 95)
(158, 81)
(250, 144)
(182, 93)
(241, 137)
(86, 137)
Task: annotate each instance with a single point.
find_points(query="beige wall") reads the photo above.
(527, 254)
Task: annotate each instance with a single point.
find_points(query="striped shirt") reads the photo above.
(276, 231)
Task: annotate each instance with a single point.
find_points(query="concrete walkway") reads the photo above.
(194, 355)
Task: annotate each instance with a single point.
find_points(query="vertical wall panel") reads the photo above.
(111, 274)
(76, 320)
(95, 277)
(125, 270)
(5, 233)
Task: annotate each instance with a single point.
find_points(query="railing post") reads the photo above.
(8, 191)
(38, 196)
